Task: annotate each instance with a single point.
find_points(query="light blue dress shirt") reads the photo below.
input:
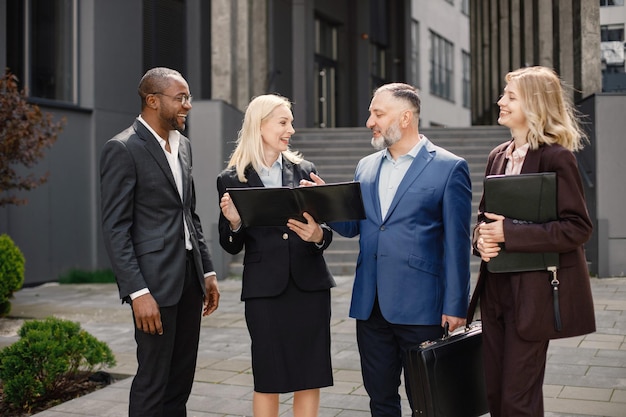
(273, 177)
(391, 174)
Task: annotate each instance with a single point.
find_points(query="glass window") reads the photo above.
(415, 53)
(325, 39)
(163, 46)
(611, 2)
(465, 7)
(42, 49)
(612, 47)
(467, 86)
(378, 62)
(326, 73)
(609, 33)
(441, 66)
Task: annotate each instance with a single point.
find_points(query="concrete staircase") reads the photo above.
(336, 152)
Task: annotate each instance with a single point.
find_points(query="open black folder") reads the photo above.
(527, 198)
(261, 206)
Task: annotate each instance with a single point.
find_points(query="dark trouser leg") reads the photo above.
(166, 363)
(185, 351)
(154, 353)
(514, 367)
(382, 347)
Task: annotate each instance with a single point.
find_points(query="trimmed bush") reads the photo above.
(79, 276)
(11, 272)
(50, 356)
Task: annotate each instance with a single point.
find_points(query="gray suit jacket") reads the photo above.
(142, 216)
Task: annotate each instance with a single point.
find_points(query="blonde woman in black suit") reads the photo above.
(286, 283)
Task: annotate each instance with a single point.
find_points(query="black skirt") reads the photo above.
(290, 340)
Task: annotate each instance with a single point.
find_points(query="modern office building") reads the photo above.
(612, 43)
(82, 60)
(506, 35)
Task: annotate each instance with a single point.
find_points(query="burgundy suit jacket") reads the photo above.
(532, 291)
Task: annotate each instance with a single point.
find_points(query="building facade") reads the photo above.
(82, 60)
(612, 43)
(506, 35)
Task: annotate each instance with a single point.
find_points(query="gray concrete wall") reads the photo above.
(213, 127)
(602, 168)
(611, 187)
(59, 228)
(54, 229)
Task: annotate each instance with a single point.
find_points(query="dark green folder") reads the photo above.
(261, 206)
(526, 198)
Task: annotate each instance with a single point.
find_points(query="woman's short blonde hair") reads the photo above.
(249, 149)
(550, 115)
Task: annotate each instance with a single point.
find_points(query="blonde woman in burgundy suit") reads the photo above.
(517, 308)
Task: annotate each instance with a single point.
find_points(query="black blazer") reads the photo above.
(272, 254)
(142, 216)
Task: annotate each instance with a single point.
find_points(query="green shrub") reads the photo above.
(11, 272)
(79, 276)
(49, 357)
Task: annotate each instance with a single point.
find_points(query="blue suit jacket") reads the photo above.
(417, 258)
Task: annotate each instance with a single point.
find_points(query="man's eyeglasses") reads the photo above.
(183, 98)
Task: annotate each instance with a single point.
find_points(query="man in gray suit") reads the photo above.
(155, 243)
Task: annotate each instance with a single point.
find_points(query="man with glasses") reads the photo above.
(155, 243)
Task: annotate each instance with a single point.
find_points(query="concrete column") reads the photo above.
(259, 47)
(590, 59)
(299, 53)
(545, 31)
(494, 59)
(515, 40)
(566, 48)
(507, 35)
(504, 25)
(484, 57)
(222, 50)
(528, 33)
(241, 52)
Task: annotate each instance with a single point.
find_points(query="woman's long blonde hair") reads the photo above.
(249, 149)
(549, 112)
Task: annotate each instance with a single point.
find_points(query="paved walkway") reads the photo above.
(586, 376)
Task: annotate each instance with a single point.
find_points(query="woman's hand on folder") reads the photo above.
(230, 211)
(317, 180)
(490, 235)
(309, 231)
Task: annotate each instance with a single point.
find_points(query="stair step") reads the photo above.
(337, 151)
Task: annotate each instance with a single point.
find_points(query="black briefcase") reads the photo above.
(446, 376)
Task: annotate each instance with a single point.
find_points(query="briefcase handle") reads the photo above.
(446, 329)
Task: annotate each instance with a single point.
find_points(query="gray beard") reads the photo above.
(388, 138)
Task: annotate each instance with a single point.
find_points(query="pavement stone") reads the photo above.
(585, 376)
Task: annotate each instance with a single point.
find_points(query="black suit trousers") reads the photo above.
(514, 367)
(383, 346)
(167, 362)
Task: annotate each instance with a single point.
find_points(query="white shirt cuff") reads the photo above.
(139, 293)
